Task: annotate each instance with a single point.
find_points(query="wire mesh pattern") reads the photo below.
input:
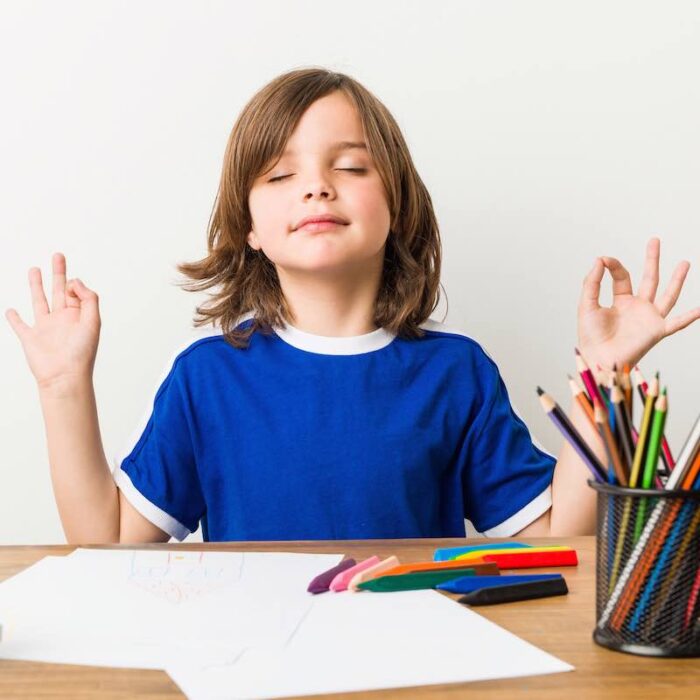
(648, 570)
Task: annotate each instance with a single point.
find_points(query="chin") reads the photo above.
(323, 264)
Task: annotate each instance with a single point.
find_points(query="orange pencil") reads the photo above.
(580, 396)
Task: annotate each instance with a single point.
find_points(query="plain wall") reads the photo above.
(546, 132)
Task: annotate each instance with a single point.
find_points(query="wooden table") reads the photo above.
(561, 625)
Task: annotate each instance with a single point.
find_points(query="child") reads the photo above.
(321, 402)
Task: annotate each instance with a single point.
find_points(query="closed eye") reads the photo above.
(354, 170)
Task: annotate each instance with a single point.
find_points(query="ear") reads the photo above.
(253, 241)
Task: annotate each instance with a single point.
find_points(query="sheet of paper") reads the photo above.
(242, 625)
(141, 608)
(360, 641)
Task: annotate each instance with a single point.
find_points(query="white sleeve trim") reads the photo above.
(149, 510)
(523, 517)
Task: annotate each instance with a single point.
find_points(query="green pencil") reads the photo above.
(657, 433)
(652, 458)
(642, 441)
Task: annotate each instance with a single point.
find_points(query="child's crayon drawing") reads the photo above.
(181, 576)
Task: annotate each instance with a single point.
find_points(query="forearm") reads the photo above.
(573, 500)
(85, 492)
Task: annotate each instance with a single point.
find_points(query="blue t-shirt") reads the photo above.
(305, 437)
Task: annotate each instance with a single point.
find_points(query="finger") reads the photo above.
(590, 292)
(58, 300)
(678, 323)
(622, 284)
(670, 296)
(39, 303)
(18, 325)
(72, 299)
(650, 278)
(89, 302)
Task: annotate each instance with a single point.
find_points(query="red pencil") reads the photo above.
(588, 379)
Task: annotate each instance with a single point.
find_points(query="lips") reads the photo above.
(321, 218)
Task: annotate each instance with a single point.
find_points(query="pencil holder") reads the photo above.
(647, 570)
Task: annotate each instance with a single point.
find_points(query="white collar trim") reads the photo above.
(335, 345)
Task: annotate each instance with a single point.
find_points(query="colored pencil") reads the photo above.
(601, 419)
(567, 429)
(657, 431)
(624, 428)
(642, 441)
(580, 396)
(666, 455)
(587, 377)
(652, 459)
(626, 384)
(690, 449)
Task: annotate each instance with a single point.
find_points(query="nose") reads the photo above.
(319, 188)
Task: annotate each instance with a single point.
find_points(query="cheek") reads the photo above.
(269, 214)
(370, 202)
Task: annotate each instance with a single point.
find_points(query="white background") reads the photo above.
(546, 132)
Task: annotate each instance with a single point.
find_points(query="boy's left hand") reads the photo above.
(626, 331)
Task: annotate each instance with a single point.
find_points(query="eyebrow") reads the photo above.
(339, 146)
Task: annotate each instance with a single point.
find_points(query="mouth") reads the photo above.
(318, 226)
(312, 223)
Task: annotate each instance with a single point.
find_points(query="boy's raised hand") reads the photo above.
(62, 345)
(626, 331)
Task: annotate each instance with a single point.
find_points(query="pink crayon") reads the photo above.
(341, 581)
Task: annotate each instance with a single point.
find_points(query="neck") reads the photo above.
(333, 304)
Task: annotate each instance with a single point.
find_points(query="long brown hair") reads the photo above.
(410, 285)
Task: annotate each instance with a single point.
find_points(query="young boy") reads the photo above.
(323, 403)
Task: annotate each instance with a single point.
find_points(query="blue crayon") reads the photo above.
(467, 584)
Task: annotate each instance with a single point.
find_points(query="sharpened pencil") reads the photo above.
(624, 429)
(567, 429)
(601, 419)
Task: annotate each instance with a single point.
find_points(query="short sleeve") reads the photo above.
(157, 472)
(507, 478)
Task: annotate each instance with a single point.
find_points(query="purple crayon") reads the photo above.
(322, 582)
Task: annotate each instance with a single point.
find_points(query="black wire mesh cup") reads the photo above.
(648, 570)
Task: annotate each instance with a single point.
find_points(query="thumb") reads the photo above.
(89, 301)
(18, 325)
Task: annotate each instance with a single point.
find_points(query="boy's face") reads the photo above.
(317, 181)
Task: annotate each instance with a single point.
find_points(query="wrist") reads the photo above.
(65, 387)
(606, 359)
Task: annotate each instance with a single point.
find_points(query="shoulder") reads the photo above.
(457, 342)
(197, 347)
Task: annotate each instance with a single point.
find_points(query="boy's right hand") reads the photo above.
(61, 346)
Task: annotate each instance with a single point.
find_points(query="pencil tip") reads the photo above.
(540, 391)
(577, 352)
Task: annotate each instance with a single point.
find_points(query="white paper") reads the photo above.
(139, 608)
(350, 642)
(242, 625)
